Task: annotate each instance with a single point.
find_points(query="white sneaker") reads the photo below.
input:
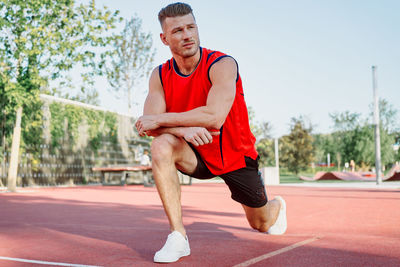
(279, 227)
(175, 247)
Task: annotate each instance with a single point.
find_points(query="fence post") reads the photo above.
(277, 158)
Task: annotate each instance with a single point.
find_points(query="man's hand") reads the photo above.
(197, 136)
(146, 123)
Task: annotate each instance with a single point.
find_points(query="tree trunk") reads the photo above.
(13, 170)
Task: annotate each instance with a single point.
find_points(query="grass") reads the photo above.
(287, 177)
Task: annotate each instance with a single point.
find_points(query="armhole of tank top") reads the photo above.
(209, 55)
(160, 74)
(218, 59)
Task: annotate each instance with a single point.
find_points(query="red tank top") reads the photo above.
(185, 92)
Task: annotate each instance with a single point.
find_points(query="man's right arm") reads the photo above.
(155, 100)
(155, 104)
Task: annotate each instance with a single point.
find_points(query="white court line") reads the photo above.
(276, 252)
(46, 262)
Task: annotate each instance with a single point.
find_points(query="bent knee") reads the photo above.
(163, 146)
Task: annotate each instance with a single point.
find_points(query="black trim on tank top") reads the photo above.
(220, 144)
(209, 55)
(169, 64)
(179, 72)
(159, 73)
(218, 59)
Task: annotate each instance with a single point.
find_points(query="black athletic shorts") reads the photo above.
(245, 184)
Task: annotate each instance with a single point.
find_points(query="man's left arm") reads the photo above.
(211, 116)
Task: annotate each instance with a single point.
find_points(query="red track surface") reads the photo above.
(124, 226)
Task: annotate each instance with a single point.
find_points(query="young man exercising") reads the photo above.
(196, 111)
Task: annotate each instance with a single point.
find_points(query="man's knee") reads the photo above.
(163, 146)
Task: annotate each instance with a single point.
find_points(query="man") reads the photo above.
(196, 111)
(145, 161)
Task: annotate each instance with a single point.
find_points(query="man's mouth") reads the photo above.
(189, 44)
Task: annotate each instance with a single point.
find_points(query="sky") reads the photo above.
(296, 58)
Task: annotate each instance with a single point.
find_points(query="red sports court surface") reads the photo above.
(124, 226)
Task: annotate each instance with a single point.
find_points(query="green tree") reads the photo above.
(345, 121)
(324, 144)
(387, 116)
(254, 127)
(345, 134)
(133, 59)
(364, 146)
(265, 144)
(354, 136)
(396, 136)
(265, 149)
(296, 149)
(41, 40)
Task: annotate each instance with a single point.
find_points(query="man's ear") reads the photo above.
(163, 38)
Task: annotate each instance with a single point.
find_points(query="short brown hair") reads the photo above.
(174, 10)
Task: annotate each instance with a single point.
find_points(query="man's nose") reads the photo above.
(187, 34)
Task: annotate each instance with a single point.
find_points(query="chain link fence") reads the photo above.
(58, 162)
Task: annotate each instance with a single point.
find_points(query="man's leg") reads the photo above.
(168, 153)
(247, 188)
(264, 217)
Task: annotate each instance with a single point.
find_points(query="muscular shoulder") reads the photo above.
(223, 67)
(155, 78)
(224, 62)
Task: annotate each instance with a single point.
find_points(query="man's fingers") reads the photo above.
(208, 136)
(199, 140)
(191, 140)
(204, 138)
(215, 133)
(194, 142)
(138, 126)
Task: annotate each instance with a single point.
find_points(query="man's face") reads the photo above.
(181, 35)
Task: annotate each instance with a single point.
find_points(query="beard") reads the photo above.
(191, 52)
(188, 52)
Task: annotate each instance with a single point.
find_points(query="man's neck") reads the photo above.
(187, 65)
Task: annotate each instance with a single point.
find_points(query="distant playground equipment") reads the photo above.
(393, 175)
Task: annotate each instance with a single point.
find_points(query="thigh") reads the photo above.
(187, 161)
(201, 171)
(247, 187)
